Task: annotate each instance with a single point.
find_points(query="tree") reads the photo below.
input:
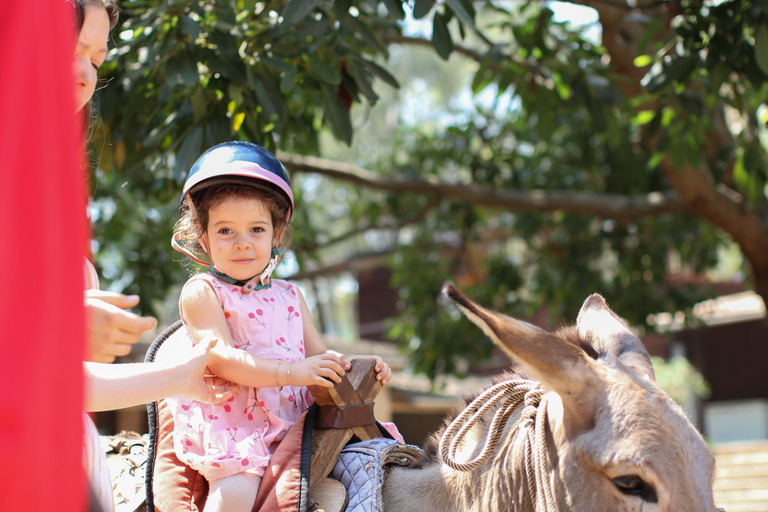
(598, 167)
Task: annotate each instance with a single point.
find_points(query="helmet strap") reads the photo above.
(203, 239)
(266, 275)
(176, 245)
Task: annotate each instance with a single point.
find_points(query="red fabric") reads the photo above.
(42, 235)
(179, 488)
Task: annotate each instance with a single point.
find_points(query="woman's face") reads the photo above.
(90, 52)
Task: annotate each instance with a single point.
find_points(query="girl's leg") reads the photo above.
(236, 493)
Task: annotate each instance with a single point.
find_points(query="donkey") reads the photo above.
(588, 430)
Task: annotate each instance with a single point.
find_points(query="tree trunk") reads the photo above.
(718, 204)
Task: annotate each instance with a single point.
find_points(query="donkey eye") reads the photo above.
(633, 485)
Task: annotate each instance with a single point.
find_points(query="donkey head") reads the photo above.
(621, 443)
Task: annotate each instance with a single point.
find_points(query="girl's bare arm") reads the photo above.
(205, 319)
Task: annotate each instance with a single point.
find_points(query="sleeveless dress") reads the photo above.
(240, 435)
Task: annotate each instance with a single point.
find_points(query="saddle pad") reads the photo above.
(362, 467)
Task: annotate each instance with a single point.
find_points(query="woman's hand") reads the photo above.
(202, 385)
(383, 371)
(320, 370)
(110, 330)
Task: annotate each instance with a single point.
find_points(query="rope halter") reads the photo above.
(507, 396)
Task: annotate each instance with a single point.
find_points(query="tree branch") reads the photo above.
(619, 207)
(725, 209)
(467, 52)
(359, 230)
(624, 6)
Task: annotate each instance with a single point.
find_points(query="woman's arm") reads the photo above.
(117, 386)
(205, 319)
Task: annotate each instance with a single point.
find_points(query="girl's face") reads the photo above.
(240, 236)
(90, 52)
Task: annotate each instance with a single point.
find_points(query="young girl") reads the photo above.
(236, 209)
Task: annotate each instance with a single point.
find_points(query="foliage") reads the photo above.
(199, 73)
(674, 111)
(680, 380)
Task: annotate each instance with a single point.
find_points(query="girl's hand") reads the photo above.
(321, 370)
(383, 371)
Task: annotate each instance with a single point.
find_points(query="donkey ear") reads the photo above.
(559, 365)
(610, 336)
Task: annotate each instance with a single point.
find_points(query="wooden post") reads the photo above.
(357, 387)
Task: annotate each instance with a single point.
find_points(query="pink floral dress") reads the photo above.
(240, 435)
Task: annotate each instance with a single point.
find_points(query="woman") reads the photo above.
(111, 330)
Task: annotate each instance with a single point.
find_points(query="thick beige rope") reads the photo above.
(508, 395)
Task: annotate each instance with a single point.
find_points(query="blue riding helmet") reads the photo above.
(242, 163)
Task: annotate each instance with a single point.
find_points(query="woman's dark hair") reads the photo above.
(111, 6)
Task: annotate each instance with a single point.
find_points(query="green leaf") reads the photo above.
(643, 117)
(676, 150)
(297, 10)
(693, 150)
(395, 9)
(461, 13)
(655, 160)
(324, 71)
(745, 179)
(236, 93)
(188, 74)
(199, 104)
(561, 87)
(483, 77)
(381, 73)
(268, 95)
(341, 8)
(441, 37)
(356, 26)
(288, 80)
(189, 27)
(680, 68)
(237, 121)
(363, 79)
(761, 48)
(336, 114)
(642, 60)
(422, 7)
(190, 148)
(717, 75)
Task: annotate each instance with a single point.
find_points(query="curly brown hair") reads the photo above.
(193, 223)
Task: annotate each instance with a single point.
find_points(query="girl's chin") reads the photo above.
(239, 276)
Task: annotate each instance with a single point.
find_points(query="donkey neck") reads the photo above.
(416, 490)
(438, 487)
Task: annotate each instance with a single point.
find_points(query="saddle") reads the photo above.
(296, 479)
